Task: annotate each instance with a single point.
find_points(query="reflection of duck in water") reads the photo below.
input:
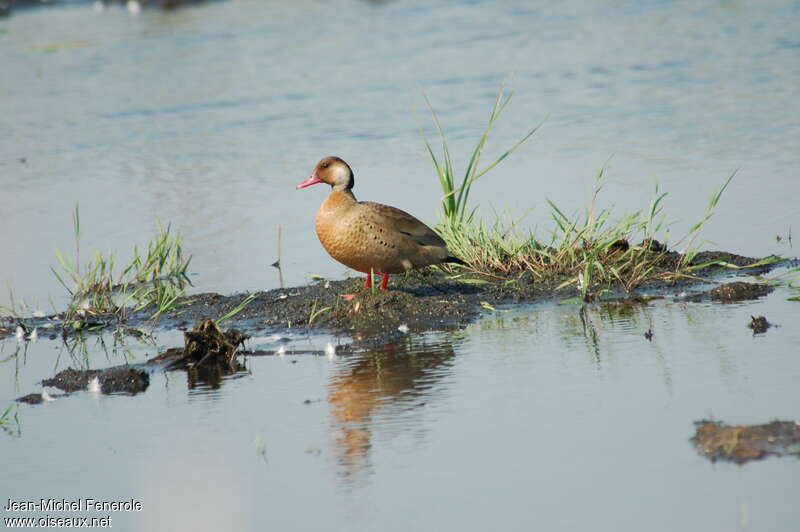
(396, 373)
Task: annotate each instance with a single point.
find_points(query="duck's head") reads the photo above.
(333, 171)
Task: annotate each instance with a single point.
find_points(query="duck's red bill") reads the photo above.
(312, 180)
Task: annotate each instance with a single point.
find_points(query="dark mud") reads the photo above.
(759, 324)
(743, 443)
(119, 379)
(208, 356)
(739, 291)
(31, 399)
(37, 398)
(418, 301)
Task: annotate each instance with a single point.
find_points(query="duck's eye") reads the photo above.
(325, 165)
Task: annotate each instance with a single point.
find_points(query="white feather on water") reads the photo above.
(94, 385)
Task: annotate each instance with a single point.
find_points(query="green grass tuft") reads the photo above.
(156, 277)
(591, 251)
(456, 195)
(237, 309)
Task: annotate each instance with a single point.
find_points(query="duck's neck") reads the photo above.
(340, 197)
(332, 211)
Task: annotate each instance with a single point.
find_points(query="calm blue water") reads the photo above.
(206, 117)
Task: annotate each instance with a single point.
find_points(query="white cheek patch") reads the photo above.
(406, 264)
(342, 175)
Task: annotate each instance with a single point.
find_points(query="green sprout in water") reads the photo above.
(9, 421)
(5, 417)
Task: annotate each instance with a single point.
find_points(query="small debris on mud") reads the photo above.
(743, 443)
(739, 291)
(653, 245)
(208, 354)
(37, 398)
(30, 399)
(759, 324)
(205, 344)
(123, 380)
(119, 379)
(620, 245)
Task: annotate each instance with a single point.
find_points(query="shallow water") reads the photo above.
(208, 116)
(515, 421)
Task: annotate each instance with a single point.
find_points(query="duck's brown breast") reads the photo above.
(373, 237)
(349, 235)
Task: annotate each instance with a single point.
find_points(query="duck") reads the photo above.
(371, 237)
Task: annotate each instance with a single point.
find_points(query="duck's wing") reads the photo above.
(395, 220)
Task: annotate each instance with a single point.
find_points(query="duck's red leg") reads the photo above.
(368, 282)
(384, 281)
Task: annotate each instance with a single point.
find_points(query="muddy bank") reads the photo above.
(414, 303)
(417, 301)
(120, 379)
(739, 291)
(743, 443)
(208, 356)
